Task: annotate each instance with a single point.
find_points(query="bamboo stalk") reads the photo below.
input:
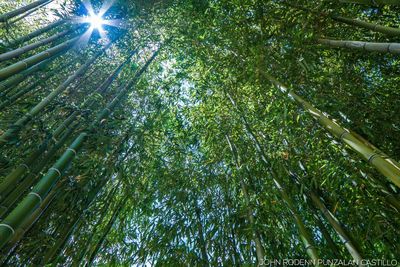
(25, 119)
(31, 202)
(30, 61)
(33, 10)
(21, 10)
(304, 233)
(368, 25)
(373, 2)
(382, 162)
(346, 240)
(19, 51)
(9, 84)
(393, 48)
(36, 33)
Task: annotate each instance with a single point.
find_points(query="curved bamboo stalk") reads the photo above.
(31, 202)
(373, 2)
(30, 61)
(24, 120)
(36, 33)
(21, 10)
(382, 162)
(19, 51)
(368, 25)
(393, 48)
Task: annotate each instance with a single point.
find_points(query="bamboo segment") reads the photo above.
(36, 33)
(305, 235)
(30, 61)
(31, 202)
(368, 25)
(373, 2)
(7, 85)
(19, 51)
(393, 48)
(19, 124)
(382, 162)
(338, 228)
(21, 10)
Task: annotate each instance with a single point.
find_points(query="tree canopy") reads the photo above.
(199, 133)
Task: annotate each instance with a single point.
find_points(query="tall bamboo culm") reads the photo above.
(21, 10)
(387, 166)
(31, 202)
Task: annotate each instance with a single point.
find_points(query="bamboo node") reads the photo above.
(37, 195)
(8, 226)
(26, 167)
(73, 150)
(343, 134)
(56, 170)
(372, 157)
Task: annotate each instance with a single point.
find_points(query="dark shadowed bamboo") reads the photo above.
(13, 131)
(393, 48)
(30, 61)
(6, 16)
(108, 228)
(30, 203)
(382, 162)
(19, 51)
(36, 33)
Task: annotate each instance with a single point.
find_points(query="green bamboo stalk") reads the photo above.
(373, 2)
(19, 51)
(31, 202)
(36, 33)
(9, 84)
(30, 61)
(305, 235)
(108, 228)
(344, 236)
(393, 48)
(260, 252)
(33, 10)
(103, 213)
(15, 194)
(14, 177)
(25, 119)
(368, 25)
(382, 162)
(6, 16)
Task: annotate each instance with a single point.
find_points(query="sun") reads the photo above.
(96, 21)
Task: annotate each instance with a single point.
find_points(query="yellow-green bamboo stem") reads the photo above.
(30, 61)
(383, 163)
(346, 240)
(393, 48)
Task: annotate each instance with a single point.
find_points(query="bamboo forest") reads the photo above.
(199, 133)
